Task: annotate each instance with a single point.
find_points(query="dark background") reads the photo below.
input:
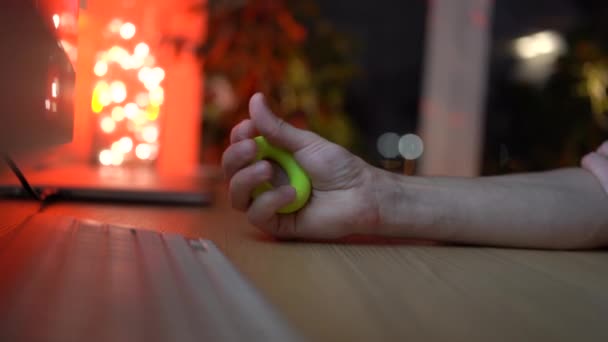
(526, 127)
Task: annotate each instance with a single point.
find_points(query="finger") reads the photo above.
(603, 149)
(277, 131)
(598, 165)
(244, 181)
(244, 130)
(238, 156)
(263, 211)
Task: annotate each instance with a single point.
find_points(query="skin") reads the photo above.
(560, 209)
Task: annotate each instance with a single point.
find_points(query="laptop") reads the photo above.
(63, 279)
(38, 66)
(80, 182)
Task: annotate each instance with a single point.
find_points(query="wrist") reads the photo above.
(401, 207)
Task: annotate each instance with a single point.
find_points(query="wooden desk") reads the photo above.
(374, 292)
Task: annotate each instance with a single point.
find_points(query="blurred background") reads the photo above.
(473, 87)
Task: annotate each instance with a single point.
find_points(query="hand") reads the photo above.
(342, 201)
(597, 163)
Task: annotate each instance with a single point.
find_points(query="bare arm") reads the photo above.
(563, 209)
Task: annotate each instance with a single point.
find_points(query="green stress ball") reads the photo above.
(298, 178)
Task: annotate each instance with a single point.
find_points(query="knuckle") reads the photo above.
(278, 127)
(253, 217)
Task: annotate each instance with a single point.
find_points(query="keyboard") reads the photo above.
(63, 279)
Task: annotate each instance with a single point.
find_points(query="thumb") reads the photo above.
(277, 131)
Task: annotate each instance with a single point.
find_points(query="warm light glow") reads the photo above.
(144, 74)
(119, 91)
(115, 25)
(56, 20)
(131, 110)
(105, 157)
(143, 151)
(140, 119)
(142, 50)
(118, 114)
(105, 98)
(158, 74)
(117, 158)
(134, 62)
(55, 88)
(127, 31)
(117, 54)
(150, 134)
(142, 99)
(539, 44)
(100, 69)
(102, 56)
(136, 106)
(150, 61)
(157, 96)
(152, 113)
(47, 104)
(125, 145)
(108, 125)
(101, 96)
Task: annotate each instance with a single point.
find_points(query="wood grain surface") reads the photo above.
(381, 291)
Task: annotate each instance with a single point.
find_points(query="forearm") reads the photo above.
(558, 209)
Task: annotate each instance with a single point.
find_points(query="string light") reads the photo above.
(142, 50)
(117, 54)
(131, 110)
(127, 31)
(157, 96)
(142, 99)
(118, 114)
(125, 145)
(117, 158)
(143, 151)
(100, 69)
(150, 134)
(130, 106)
(105, 157)
(107, 125)
(119, 91)
(158, 74)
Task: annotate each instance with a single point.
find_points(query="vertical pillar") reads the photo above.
(454, 86)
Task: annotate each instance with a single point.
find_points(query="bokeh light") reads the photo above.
(127, 31)
(118, 114)
(142, 50)
(150, 134)
(128, 95)
(131, 110)
(411, 146)
(100, 69)
(107, 125)
(388, 145)
(119, 91)
(56, 20)
(105, 157)
(143, 151)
